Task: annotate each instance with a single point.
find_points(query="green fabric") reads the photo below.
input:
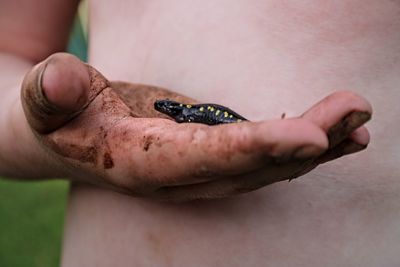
(78, 42)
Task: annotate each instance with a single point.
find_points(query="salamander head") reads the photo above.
(169, 107)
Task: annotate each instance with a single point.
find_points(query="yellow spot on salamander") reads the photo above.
(217, 112)
(181, 105)
(201, 109)
(208, 107)
(231, 116)
(188, 106)
(211, 109)
(226, 114)
(239, 120)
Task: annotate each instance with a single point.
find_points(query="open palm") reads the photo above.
(108, 133)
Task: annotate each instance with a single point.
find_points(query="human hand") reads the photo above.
(108, 133)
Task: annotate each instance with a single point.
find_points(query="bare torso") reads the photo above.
(260, 58)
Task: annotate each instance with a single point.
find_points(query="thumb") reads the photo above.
(58, 89)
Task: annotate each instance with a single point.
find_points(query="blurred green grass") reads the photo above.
(31, 219)
(32, 213)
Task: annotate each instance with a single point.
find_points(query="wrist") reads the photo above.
(21, 155)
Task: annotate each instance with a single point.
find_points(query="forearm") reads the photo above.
(29, 33)
(20, 154)
(35, 29)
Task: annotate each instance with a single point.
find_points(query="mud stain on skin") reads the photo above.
(108, 162)
(125, 136)
(140, 98)
(84, 154)
(147, 142)
(97, 83)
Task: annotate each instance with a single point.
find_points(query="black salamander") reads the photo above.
(210, 114)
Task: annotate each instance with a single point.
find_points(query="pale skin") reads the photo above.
(153, 157)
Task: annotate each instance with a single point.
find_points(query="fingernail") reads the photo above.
(342, 129)
(47, 106)
(32, 92)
